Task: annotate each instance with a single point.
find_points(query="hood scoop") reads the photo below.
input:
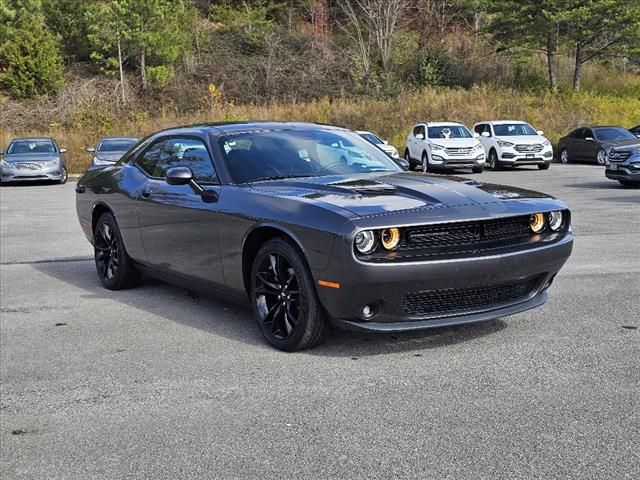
(366, 187)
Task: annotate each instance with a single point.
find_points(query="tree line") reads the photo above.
(313, 47)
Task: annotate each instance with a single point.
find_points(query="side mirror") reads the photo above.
(589, 139)
(485, 134)
(476, 135)
(402, 162)
(540, 132)
(90, 149)
(420, 136)
(63, 150)
(178, 176)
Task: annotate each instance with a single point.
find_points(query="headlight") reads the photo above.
(555, 220)
(502, 143)
(5, 163)
(99, 161)
(435, 146)
(546, 143)
(55, 161)
(478, 146)
(637, 150)
(390, 238)
(536, 222)
(394, 153)
(365, 241)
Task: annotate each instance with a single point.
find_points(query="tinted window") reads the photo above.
(512, 129)
(577, 133)
(449, 131)
(587, 133)
(419, 129)
(479, 128)
(252, 156)
(372, 138)
(178, 152)
(31, 146)
(613, 133)
(116, 145)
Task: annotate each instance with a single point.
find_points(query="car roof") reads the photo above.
(220, 129)
(365, 132)
(440, 124)
(118, 138)
(500, 122)
(33, 139)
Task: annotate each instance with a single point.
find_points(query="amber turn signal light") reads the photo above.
(536, 222)
(390, 238)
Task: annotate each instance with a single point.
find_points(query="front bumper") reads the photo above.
(624, 171)
(442, 160)
(387, 286)
(45, 174)
(514, 158)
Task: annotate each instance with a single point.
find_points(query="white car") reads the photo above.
(513, 143)
(378, 142)
(443, 145)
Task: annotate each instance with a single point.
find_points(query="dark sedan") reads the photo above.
(277, 212)
(592, 144)
(33, 159)
(109, 150)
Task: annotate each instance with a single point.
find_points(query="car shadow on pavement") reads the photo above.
(606, 184)
(235, 321)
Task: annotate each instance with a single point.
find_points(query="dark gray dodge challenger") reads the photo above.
(319, 227)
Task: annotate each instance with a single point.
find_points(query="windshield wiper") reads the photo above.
(276, 177)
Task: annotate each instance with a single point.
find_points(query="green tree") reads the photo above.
(30, 60)
(148, 35)
(530, 24)
(67, 18)
(598, 27)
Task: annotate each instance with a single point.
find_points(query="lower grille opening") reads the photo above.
(433, 303)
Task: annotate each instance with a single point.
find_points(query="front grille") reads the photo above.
(29, 166)
(446, 236)
(458, 152)
(433, 303)
(535, 148)
(619, 156)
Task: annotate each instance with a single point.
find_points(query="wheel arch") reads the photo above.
(97, 211)
(255, 239)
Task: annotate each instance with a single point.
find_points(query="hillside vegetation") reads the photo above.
(77, 70)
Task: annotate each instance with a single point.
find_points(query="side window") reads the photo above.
(416, 130)
(578, 133)
(179, 152)
(588, 133)
(479, 128)
(151, 157)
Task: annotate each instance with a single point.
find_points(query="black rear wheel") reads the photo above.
(115, 268)
(284, 297)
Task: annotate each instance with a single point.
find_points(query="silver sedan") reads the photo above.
(33, 159)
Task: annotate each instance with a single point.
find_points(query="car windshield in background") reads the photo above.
(116, 145)
(513, 129)
(372, 138)
(449, 131)
(613, 133)
(31, 146)
(268, 155)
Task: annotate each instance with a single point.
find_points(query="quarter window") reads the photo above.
(179, 152)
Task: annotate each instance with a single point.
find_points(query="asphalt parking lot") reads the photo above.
(159, 383)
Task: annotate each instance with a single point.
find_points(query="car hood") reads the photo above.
(110, 156)
(381, 194)
(522, 139)
(31, 157)
(626, 144)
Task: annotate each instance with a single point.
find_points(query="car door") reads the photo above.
(419, 143)
(574, 144)
(592, 147)
(178, 225)
(485, 141)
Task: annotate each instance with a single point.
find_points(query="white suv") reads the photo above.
(513, 143)
(443, 145)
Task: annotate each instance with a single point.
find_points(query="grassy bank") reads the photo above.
(392, 117)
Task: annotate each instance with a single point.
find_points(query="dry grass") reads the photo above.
(392, 118)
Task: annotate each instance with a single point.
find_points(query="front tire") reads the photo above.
(284, 298)
(425, 162)
(629, 184)
(601, 157)
(543, 166)
(477, 169)
(564, 156)
(115, 268)
(64, 176)
(494, 163)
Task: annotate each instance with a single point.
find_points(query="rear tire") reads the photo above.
(115, 268)
(284, 297)
(494, 163)
(629, 184)
(543, 166)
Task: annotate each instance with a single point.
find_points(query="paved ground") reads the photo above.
(155, 383)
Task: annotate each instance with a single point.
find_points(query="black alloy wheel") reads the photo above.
(284, 297)
(115, 269)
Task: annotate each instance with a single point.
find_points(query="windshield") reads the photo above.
(18, 147)
(613, 133)
(513, 129)
(267, 155)
(116, 145)
(372, 138)
(449, 131)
